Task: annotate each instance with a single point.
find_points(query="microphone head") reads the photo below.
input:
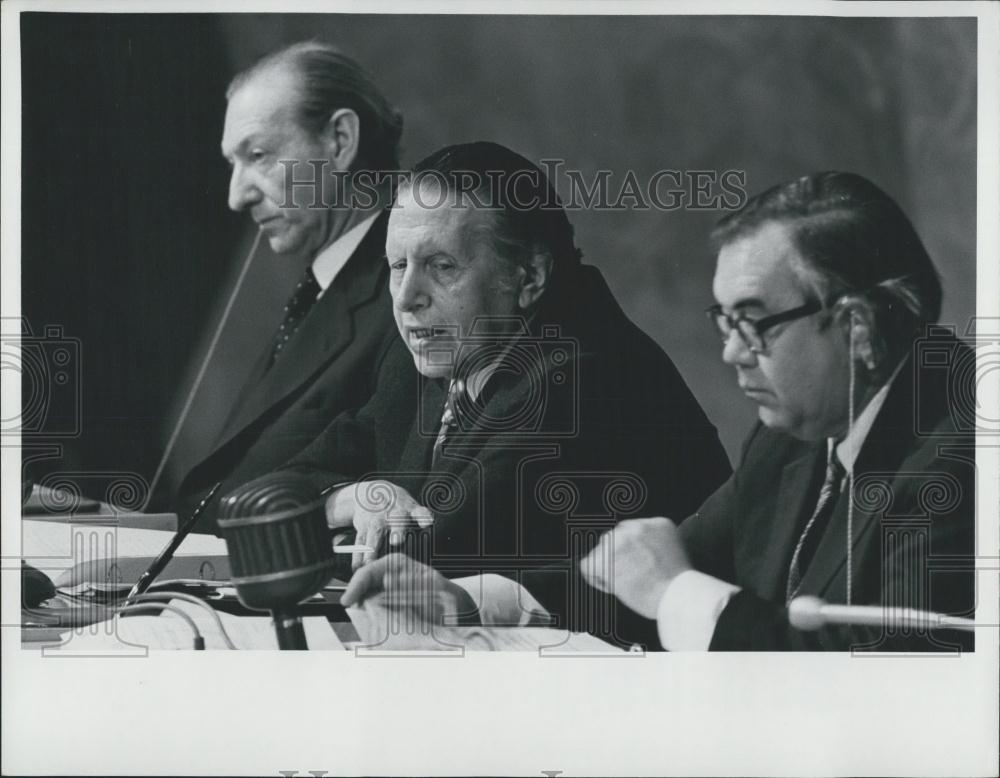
(805, 613)
(278, 541)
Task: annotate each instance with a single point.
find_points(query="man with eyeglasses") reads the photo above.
(824, 297)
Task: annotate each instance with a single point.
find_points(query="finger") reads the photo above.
(422, 516)
(594, 565)
(397, 521)
(398, 571)
(590, 568)
(376, 542)
(364, 583)
(358, 558)
(340, 508)
(404, 502)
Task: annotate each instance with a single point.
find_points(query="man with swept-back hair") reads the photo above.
(858, 484)
(307, 135)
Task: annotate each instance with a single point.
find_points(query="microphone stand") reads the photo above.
(288, 629)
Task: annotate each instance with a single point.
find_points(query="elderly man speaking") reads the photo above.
(537, 414)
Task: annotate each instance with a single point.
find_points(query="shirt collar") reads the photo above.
(847, 450)
(331, 260)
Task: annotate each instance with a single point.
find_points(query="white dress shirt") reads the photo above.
(693, 601)
(331, 260)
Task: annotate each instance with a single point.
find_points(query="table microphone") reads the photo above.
(279, 548)
(811, 613)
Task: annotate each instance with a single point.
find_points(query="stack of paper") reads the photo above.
(382, 629)
(135, 634)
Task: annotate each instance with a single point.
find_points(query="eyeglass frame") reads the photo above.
(759, 326)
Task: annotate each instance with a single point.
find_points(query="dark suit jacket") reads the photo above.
(913, 525)
(588, 422)
(328, 366)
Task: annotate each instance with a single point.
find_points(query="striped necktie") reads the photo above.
(449, 419)
(813, 531)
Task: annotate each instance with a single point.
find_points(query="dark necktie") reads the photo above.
(813, 530)
(301, 301)
(449, 419)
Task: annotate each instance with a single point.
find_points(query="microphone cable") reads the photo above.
(199, 641)
(201, 371)
(169, 595)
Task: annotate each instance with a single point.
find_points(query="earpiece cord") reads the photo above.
(201, 372)
(851, 454)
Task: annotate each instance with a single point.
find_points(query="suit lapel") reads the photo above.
(495, 400)
(419, 447)
(881, 455)
(831, 553)
(796, 495)
(500, 397)
(324, 333)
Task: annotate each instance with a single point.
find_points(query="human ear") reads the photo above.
(534, 278)
(342, 136)
(858, 320)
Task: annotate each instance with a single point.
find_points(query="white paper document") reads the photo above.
(169, 631)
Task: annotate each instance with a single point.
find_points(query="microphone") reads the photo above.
(279, 548)
(810, 613)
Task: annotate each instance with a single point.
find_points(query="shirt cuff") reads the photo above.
(689, 610)
(503, 602)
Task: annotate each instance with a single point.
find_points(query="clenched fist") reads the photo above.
(636, 561)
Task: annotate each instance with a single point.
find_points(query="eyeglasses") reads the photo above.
(752, 330)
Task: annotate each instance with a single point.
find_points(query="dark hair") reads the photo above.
(857, 244)
(330, 80)
(529, 217)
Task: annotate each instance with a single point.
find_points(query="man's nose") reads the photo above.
(735, 351)
(242, 191)
(410, 294)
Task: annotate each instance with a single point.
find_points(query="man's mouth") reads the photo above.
(761, 397)
(416, 334)
(753, 390)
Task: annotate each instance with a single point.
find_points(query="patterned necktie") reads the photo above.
(449, 419)
(813, 530)
(298, 306)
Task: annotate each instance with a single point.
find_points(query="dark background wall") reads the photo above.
(128, 245)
